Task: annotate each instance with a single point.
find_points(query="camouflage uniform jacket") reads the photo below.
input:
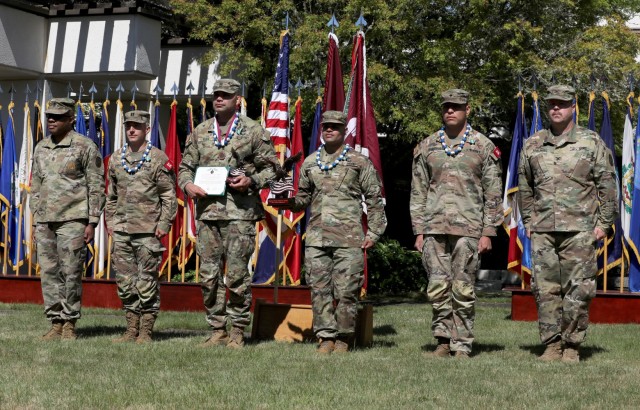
(144, 201)
(336, 200)
(67, 180)
(201, 151)
(457, 195)
(567, 183)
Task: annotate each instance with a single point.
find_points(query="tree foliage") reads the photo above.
(417, 48)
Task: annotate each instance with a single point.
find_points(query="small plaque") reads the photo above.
(280, 202)
(212, 179)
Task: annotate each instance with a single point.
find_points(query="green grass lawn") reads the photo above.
(175, 373)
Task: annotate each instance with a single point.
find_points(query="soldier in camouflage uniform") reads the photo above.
(333, 181)
(67, 197)
(567, 188)
(141, 205)
(226, 223)
(456, 205)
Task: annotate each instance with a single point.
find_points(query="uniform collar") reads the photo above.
(562, 139)
(65, 142)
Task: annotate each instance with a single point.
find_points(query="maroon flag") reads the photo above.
(362, 134)
(333, 98)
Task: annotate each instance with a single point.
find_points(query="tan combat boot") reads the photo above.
(552, 353)
(55, 333)
(570, 354)
(133, 327)
(146, 328)
(236, 338)
(462, 355)
(219, 337)
(442, 350)
(326, 346)
(69, 330)
(341, 345)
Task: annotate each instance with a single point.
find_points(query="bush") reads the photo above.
(394, 269)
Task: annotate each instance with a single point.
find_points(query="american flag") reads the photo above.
(278, 116)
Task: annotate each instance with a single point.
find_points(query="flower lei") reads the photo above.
(145, 158)
(451, 152)
(216, 132)
(341, 157)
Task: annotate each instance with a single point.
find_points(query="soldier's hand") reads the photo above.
(194, 191)
(484, 244)
(240, 183)
(599, 233)
(160, 233)
(528, 234)
(367, 243)
(419, 243)
(110, 231)
(89, 231)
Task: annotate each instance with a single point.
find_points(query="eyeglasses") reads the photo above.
(329, 126)
(57, 117)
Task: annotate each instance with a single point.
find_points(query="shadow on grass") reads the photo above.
(477, 349)
(88, 332)
(586, 352)
(384, 330)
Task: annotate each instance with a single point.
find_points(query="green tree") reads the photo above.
(416, 48)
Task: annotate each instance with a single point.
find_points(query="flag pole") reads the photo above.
(29, 263)
(622, 271)
(278, 250)
(604, 266)
(183, 245)
(17, 267)
(110, 241)
(197, 267)
(6, 243)
(169, 254)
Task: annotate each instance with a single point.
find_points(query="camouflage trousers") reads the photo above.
(61, 255)
(563, 283)
(451, 263)
(136, 259)
(230, 244)
(335, 276)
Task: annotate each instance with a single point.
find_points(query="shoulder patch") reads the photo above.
(496, 154)
(168, 165)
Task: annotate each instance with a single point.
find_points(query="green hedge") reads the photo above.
(393, 269)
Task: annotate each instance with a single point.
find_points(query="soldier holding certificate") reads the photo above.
(226, 218)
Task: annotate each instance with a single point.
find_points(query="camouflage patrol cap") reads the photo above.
(227, 85)
(60, 106)
(455, 96)
(139, 116)
(560, 92)
(334, 117)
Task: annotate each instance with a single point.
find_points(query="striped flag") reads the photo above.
(519, 255)
(277, 123)
(278, 115)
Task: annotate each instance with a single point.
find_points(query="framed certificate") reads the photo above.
(212, 179)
